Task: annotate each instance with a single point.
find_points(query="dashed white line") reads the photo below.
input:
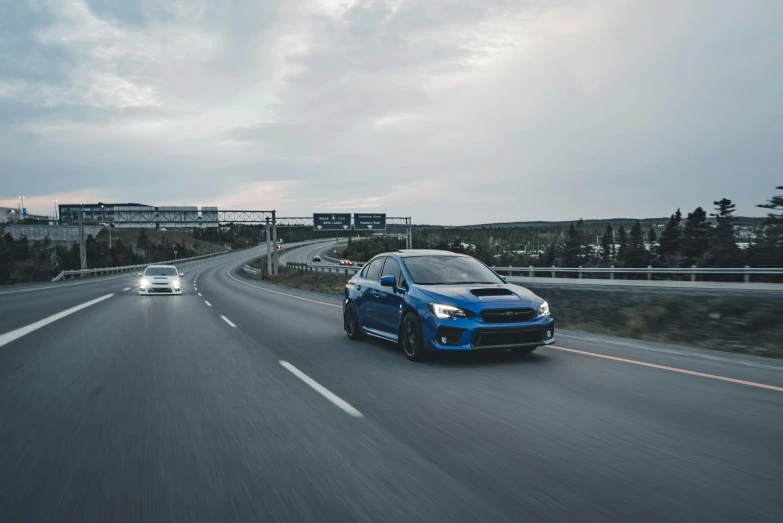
(8, 337)
(323, 391)
(228, 321)
(208, 304)
(126, 289)
(199, 294)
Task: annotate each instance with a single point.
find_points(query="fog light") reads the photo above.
(549, 334)
(444, 340)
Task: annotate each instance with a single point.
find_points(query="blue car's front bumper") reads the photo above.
(471, 334)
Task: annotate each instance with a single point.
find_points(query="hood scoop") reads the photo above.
(491, 292)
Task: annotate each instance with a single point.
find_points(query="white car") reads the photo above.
(160, 279)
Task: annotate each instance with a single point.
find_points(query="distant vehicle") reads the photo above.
(316, 258)
(438, 300)
(163, 229)
(160, 279)
(346, 262)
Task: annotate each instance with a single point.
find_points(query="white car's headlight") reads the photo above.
(446, 311)
(144, 282)
(543, 310)
(176, 283)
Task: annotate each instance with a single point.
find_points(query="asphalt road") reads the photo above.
(255, 407)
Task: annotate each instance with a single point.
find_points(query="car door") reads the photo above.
(368, 286)
(388, 301)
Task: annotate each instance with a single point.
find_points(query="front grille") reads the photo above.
(507, 315)
(488, 338)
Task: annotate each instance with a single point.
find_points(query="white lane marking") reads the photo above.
(228, 321)
(8, 337)
(59, 286)
(283, 293)
(199, 294)
(126, 289)
(208, 304)
(320, 389)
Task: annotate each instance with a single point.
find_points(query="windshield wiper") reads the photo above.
(478, 282)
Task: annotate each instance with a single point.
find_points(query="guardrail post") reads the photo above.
(580, 272)
(649, 274)
(611, 274)
(693, 274)
(531, 271)
(553, 272)
(747, 275)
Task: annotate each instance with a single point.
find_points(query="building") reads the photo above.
(10, 215)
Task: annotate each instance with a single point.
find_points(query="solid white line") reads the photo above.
(126, 289)
(320, 389)
(8, 337)
(199, 294)
(228, 321)
(283, 293)
(208, 304)
(59, 286)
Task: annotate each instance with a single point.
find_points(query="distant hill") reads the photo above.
(591, 224)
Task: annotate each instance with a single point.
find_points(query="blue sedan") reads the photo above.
(431, 301)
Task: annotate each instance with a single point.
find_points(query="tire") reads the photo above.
(411, 338)
(351, 323)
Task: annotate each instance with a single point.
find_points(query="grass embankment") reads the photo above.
(739, 322)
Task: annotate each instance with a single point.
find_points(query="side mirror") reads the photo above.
(389, 281)
(181, 274)
(139, 274)
(505, 280)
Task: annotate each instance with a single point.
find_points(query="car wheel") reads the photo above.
(351, 323)
(411, 339)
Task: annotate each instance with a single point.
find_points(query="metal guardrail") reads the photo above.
(693, 272)
(129, 268)
(348, 270)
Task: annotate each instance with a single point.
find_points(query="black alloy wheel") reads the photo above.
(351, 323)
(411, 339)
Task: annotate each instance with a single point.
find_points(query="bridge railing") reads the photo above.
(347, 270)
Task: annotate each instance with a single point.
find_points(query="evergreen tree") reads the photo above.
(572, 247)
(623, 240)
(5, 261)
(636, 253)
(606, 244)
(143, 241)
(768, 252)
(669, 243)
(696, 236)
(724, 251)
(652, 237)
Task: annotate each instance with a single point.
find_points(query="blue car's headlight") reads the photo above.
(446, 311)
(543, 310)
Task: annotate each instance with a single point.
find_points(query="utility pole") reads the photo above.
(82, 245)
(274, 241)
(268, 248)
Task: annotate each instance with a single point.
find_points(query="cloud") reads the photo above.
(450, 112)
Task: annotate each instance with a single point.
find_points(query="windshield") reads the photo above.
(448, 270)
(160, 271)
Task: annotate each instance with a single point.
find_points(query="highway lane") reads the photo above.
(27, 304)
(557, 437)
(158, 409)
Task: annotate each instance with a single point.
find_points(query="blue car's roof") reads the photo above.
(404, 253)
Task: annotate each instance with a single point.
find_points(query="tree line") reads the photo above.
(22, 260)
(692, 240)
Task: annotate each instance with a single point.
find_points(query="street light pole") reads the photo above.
(55, 209)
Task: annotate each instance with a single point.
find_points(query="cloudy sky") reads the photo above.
(449, 111)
